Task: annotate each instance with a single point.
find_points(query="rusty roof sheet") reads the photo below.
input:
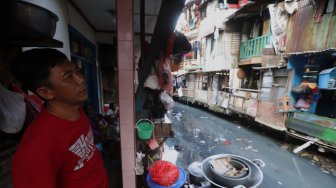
(250, 9)
(305, 36)
(330, 50)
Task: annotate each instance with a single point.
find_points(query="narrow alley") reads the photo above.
(199, 134)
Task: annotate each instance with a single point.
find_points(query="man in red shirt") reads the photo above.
(57, 149)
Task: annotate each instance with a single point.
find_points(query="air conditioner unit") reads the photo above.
(327, 79)
(332, 84)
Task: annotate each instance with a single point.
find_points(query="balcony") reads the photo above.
(191, 64)
(192, 67)
(253, 48)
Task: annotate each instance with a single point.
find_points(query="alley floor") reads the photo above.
(199, 134)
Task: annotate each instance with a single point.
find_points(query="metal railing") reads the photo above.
(189, 64)
(253, 47)
(189, 67)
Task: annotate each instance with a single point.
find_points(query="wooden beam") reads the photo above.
(151, 15)
(251, 61)
(114, 32)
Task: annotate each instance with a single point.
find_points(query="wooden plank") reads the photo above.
(268, 116)
(252, 60)
(251, 107)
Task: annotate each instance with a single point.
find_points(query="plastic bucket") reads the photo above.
(144, 129)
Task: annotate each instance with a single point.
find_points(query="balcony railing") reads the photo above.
(253, 47)
(190, 67)
(190, 64)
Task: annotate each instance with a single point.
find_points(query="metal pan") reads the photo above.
(253, 181)
(25, 19)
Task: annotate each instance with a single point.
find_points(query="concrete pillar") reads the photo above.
(126, 90)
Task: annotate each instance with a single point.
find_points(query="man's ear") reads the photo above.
(45, 93)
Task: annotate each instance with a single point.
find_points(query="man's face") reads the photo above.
(67, 84)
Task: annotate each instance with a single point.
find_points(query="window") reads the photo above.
(205, 83)
(323, 7)
(266, 86)
(273, 85)
(252, 77)
(202, 13)
(209, 45)
(223, 81)
(279, 83)
(330, 8)
(191, 81)
(198, 81)
(214, 83)
(218, 45)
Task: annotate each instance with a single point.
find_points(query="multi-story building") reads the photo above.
(311, 52)
(248, 57)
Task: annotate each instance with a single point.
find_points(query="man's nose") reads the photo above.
(79, 78)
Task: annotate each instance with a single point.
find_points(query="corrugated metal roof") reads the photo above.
(328, 71)
(267, 68)
(250, 9)
(194, 71)
(305, 36)
(219, 70)
(331, 50)
(179, 73)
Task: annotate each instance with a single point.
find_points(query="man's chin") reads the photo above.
(82, 100)
(84, 96)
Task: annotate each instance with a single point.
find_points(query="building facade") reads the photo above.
(251, 58)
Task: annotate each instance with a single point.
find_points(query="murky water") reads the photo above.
(283, 168)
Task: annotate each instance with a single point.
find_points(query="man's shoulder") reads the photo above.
(41, 120)
(42, 125)
(44, 133)
(37, 128)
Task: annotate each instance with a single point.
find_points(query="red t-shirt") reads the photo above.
(58, 153)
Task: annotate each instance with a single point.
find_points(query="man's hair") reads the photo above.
(32, 67)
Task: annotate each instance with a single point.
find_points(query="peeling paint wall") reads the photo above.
(244, 102)
(216, 97)
(201, 95)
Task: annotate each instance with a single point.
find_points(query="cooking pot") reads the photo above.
(253, 181)
(25, 19)
(233, 180)
(195, 173)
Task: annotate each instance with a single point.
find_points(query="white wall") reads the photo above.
(76, 21)
(60, 8)
(234, 80)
